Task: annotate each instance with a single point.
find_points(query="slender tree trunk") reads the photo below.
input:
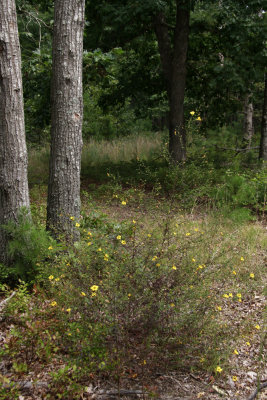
(177, 145)
(173, 60)
(67, 114)
(14, 192)
(263, 142)
(248, 128)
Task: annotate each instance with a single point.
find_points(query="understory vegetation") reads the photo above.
(170, 260)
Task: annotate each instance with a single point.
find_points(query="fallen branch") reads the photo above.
(122, 392)
(259, 388)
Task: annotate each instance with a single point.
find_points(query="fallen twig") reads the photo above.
(259, 388)
(122, 392)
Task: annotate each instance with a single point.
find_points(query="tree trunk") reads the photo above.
(66, 123)
(263, 142)
(173, 60)
(248, 128)
(14, 192)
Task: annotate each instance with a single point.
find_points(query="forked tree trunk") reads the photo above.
(173, 60)
(263, 142)
(14, 192)
(67, 115)
(248, 127)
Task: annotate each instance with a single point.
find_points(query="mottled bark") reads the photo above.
(263, 142)
(14, 192)
(248, 127)
(66, 122)
(173, 59)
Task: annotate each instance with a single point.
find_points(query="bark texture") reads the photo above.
(67, 115)
(173, 60)
(14, 192)
(263, 142)
(248, 127)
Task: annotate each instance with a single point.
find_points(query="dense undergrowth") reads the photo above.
(166, 254)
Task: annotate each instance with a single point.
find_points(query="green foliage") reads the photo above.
(28, 245)
(132, 291)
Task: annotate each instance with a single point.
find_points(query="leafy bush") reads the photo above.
(27, 247)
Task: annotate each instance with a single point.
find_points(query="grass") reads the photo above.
(169, 274)
(145, 315)
(97, 153)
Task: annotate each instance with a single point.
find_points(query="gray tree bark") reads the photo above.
(263, 142)
(14, 192)
(66, 122)
(248, 127)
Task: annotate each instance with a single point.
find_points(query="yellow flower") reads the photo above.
(234, 378)
(225, 295)
(149, 235)
(219, 369)
(239, 295)
(202, 359)
(51, 277)
(50, 248)
(236, 352)
(196, 229)
(174, 267)
(83, 294)
(241, 258)
(158, 265)
(219, 308)
(174, 233)
(53, 304)
(198, 119)
(234, 272)
(134, 222)
(200, 267)
(172, 305)
(144, 362)
(68, 310)
(123, 242)
(248, 344)
(123, 203)
(72, 218)
(94, 288)
(106, 257)
(93, 294)
(154, 258)
(188, 234)
(89, 243)
(89, 233)
(257, 327)
(129, 294)
(252, 275)
(99, 249)
(57, 279)
(192, 112)
(119, 237)
(193, 260)
(77, 225)
(230, 295)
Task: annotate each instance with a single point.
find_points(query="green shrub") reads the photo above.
(27, 247)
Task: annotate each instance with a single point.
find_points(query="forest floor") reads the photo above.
(247, 367)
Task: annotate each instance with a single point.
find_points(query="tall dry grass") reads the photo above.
(96, 152)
